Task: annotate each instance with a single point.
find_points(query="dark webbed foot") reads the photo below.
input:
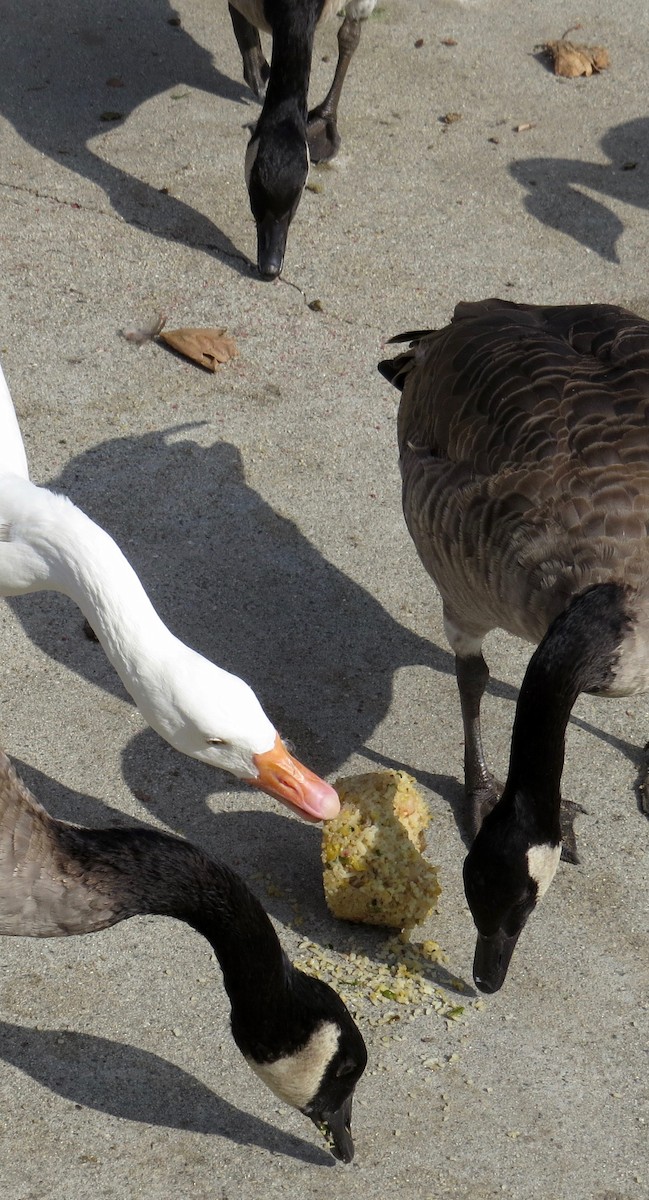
(481, 797)
(322, 125)
(569, 810)
(642, 782)
(322, 135)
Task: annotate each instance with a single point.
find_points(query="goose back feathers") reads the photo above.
(525, 460)
(58, 879)
(525, 464)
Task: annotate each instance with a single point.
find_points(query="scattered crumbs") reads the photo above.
(382, 990)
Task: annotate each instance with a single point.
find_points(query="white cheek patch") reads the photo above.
(542, 862)
(297, 1077)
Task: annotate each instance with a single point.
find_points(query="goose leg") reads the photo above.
(482, 790)
(255, 67)
(322, 126)
(642, 784)
(569, 810)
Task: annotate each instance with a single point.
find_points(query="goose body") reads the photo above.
(58, 880)
(286, 134)
(525, 464)
(46, 542)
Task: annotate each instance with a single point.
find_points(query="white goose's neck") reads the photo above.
(46, 542)
(12, 450)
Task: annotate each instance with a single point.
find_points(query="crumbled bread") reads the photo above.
(373, 870)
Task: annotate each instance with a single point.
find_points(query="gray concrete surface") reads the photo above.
(261, 507)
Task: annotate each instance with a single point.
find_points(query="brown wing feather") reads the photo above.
(524, 444)
(42, 892)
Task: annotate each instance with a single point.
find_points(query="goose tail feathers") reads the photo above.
(396, 370)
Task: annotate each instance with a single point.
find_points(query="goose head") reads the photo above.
(322, 1057)
(506, 872)
(277, 165)
(215, 717)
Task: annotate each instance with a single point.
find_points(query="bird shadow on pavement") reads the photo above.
(557, 188)
(70, 74)
(136, 1085)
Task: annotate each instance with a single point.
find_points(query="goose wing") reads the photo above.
(525, 457)
(43, 893)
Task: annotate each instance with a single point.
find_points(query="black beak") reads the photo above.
(336, 1127)
(492, 958)
(271, 244)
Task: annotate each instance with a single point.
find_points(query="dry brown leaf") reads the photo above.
(207, 347)
(571, 60)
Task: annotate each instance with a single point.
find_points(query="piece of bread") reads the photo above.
(373, 870)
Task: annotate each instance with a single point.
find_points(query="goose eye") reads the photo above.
(345, 1068)
(216, 742)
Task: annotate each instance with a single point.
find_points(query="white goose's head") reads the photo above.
(209, 714)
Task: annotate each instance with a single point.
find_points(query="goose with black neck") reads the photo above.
(524, 457)
(286, 134)
(59, 880)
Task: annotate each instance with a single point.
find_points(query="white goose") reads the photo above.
(46, 543)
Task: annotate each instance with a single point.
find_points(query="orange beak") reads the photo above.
(283, 777)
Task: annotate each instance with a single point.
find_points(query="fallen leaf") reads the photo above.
(315, 306)
(571, 60)
(451, 117)
(109, 115)
(419, 43)
(449, 41)
(207, 347)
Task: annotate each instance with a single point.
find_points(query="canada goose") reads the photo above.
(58, 879)
(525, 463)
(202, 710)
(277, 157)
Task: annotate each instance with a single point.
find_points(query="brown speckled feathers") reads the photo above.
(524, 442)
(43, 892)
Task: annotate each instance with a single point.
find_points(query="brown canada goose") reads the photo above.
(46, 542)
(524, 448)
(286, 135)
(58, 879)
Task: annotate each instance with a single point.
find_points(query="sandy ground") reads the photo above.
(261, 507)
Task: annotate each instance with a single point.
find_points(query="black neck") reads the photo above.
(290, 70)
(577, 654)
(148, 872)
